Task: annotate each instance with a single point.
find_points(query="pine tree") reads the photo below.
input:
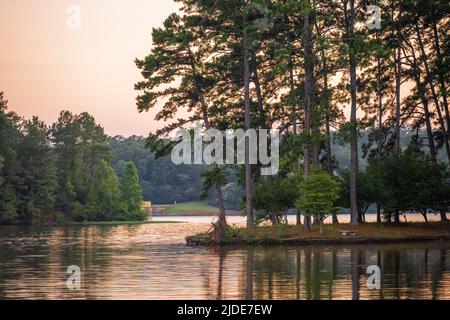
(104, 196)
(131, 193)
(38, 170)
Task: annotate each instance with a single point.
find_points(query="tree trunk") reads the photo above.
(378, 213)
(421, 90)
(443, 216)
(298, 217)
(433, 92)
(350, 24)
(321, 226)
(221, 225)
(222, 221)
(397, 216)
(326, 95)
(424, 214)
(398, 77)
(274, 218)
(247, 165)
(308, 107)
(380, 106)
(307, 222)
(334, 217)
(441, 79)
(293, 99)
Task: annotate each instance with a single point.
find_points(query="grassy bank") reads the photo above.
(366, 233)
(194, 208)
(117, 223)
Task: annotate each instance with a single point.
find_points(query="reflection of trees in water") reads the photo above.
(313, 272)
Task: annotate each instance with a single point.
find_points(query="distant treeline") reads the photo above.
(62, 172)
(162, 181)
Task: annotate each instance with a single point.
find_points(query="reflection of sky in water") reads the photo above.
(152, 262)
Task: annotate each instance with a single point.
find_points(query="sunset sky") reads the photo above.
(46, 67)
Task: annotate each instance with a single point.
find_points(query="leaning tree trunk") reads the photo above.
(433, 92)
(441, 79)
(219, 227)
(421, 90)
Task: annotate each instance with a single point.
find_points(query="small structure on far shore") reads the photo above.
(147, 206)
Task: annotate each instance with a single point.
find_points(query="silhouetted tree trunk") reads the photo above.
(247, 165)
(350, 28)
(308, 65)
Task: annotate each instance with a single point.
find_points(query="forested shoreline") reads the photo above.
(62, 173)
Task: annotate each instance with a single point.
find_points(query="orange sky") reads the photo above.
(46, 67)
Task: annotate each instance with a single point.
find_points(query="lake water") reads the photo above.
(152, 262)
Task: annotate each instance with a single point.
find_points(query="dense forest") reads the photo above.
(308, 68)
(62, 172)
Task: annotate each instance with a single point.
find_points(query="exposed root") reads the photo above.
(218, 230)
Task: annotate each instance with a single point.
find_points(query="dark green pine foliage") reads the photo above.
(38, 173)
(62, 173)
(10, 166)
(103, 197)
(131, 193)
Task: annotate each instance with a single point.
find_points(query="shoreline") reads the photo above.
(369, 233)
(90, 223)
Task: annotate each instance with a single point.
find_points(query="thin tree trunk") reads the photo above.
(350, 24)
(293, 99)
(398, 84)
(443, 216)
(424, 214)
(380, 106)
(222, 221)
(397, 216)
(308, 106)
(433, 91)
(421, 92)
(440, 77)
(247, 165)
(378, 213)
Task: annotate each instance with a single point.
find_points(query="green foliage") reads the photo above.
(38, 170)
(62, 173)
(161, 181)
(104, 198)
(273, 197)
(318, 194)
(408, 181)
(131, 193)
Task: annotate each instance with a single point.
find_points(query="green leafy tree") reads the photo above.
(274, 197)
(318, 194)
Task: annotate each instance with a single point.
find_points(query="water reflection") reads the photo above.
(152, 262)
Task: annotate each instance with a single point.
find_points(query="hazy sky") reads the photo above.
(46, 67)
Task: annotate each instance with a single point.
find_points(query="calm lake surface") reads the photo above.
(152, 262)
